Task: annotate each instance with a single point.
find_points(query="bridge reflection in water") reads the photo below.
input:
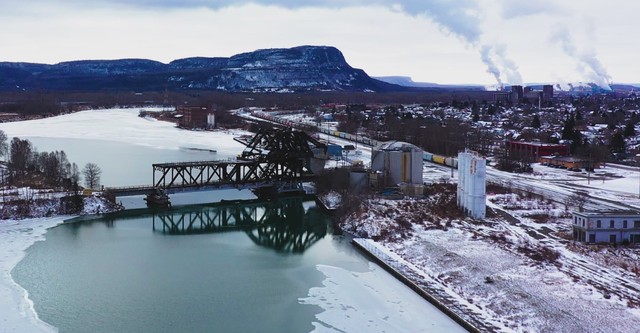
(283, 224)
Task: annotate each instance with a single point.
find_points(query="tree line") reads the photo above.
(25, 166)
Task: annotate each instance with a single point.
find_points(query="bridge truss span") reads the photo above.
(206, 174)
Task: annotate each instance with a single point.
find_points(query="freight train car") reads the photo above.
(439, 159)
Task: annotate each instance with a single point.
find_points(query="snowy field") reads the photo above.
(522, 273)
(344, 295)
(514, 275)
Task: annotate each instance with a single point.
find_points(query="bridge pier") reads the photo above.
(158, 199)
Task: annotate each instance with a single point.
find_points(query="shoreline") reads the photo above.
(447, 305)
(17, 311)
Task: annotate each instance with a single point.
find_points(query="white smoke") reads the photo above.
(509, 67)
(495, 58)
(462, 18)
(487, 59)
(587, 61)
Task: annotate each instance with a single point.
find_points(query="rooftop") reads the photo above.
(608, 213)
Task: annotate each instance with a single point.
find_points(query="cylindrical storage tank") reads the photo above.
(472, 184)
(400, 162)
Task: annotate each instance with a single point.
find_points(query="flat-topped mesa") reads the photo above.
(302, 68)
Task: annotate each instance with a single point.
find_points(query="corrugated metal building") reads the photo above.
(399, 162)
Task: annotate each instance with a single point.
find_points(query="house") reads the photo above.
(606, 227)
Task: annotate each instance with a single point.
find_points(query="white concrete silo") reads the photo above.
(472, 194)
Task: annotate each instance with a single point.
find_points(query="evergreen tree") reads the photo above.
(568, 129)
(617, 145)
(536, 122)
(570, 133)
(578, 115)
(629, 130)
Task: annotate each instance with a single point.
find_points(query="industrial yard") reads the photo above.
(517, 269)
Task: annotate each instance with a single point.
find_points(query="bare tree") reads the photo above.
(91, 173)
(578, 199)
(4, 146)
(20, 156)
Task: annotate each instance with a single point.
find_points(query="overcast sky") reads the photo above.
(443, 41)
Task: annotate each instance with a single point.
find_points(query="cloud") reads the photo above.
(512, 9)
(458, 17)
(383, 33)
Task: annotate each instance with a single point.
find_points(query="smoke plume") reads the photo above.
(587, 61)
(485, 55)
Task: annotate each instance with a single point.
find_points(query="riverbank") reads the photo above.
(17, 313)
(16, 309)
(407, 273)
(516, 271)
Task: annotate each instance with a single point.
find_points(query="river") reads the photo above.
(130, 272)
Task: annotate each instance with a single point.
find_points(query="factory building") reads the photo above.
(196, 117)
(547, 93)
(517, 93)
(397, 162)
(472, 195)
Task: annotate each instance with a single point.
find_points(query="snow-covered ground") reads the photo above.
(519, 272)
(370, 306)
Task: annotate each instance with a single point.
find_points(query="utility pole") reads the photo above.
(638, 163)
(589, 170)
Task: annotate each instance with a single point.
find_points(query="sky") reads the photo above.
(443, 41)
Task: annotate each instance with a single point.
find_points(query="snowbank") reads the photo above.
(371, 305)
(16, 310)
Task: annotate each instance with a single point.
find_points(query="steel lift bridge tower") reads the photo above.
(290, 157)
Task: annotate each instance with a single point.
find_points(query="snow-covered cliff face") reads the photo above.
(301, 68)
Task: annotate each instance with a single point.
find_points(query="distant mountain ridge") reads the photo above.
(406, 81)
(303, 68)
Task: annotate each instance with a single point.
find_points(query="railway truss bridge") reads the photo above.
(275, 160)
